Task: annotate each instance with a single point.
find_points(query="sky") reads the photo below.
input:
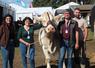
(23, 3)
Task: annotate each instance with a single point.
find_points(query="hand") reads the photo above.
(84, 40)
(76, 46)
(27, 44)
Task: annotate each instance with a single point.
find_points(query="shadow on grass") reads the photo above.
(92, 66)
(44, 66)
(89, 39)
(83, 65)
(75, 66)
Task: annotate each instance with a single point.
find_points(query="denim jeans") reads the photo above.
(8, 55)
(63, 49)
(23, 50)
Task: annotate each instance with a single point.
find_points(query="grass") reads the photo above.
(90, 34)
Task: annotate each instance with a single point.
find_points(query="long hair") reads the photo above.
(8, 15)
(4, 18)
(11, 27)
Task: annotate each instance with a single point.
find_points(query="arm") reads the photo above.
(85, 33)
(14, 31)
(76, 44)
(1, 30)
(20, 39)
(24, 42)
(76, 36)
(37, 26)
(85, 30)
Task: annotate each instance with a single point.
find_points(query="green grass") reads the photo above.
(90, 34)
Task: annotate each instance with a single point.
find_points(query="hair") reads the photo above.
(7, 15)
(28, 19)
(68, 10)
(11, 27)
(77, 9)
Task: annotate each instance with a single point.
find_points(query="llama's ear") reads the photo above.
(51, 16)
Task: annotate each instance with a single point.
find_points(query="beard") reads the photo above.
(77, 16)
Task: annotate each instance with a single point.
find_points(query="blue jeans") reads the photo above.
(8, 55)
(23, 50)
(65, 47)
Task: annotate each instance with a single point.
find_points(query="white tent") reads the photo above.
(67, 6)
(70, 5)
(30, 12)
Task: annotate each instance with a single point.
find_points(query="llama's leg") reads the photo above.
(47, 56)
(48, 63)
(50, 48)
(64, 65)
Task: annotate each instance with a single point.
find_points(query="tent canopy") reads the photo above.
(67, 6)
(61, 9)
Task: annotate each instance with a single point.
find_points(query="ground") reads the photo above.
(39, 57)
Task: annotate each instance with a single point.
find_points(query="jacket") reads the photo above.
(73, 27)
(5, 33)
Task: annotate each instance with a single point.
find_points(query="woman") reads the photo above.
(25, 36)
(7, 34)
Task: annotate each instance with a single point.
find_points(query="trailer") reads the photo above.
(1, 12)
(5, 9)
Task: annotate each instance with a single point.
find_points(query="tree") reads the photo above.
(89, 1)
(46, 3)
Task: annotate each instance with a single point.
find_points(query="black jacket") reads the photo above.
(73, 27)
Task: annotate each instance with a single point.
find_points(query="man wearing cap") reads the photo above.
(68, 30)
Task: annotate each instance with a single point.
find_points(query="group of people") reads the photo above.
(73, 33)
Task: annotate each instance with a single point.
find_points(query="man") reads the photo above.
(82, 38)
(68, 30)
(18, 23)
